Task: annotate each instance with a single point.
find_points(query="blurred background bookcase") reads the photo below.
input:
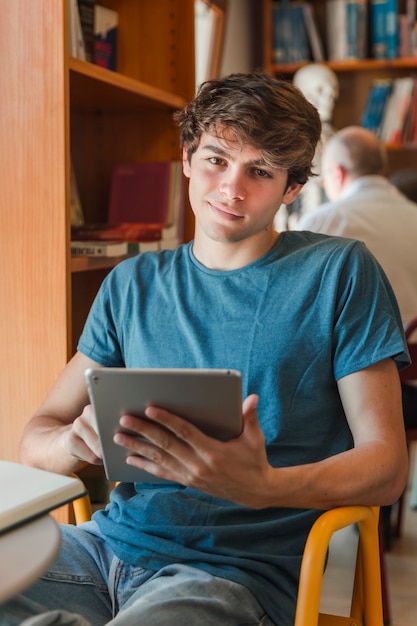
(355, 77)
(54, 108)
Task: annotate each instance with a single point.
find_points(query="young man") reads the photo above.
(312, 324)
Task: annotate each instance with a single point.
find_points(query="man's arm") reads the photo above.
(373, 472)
(62, 432)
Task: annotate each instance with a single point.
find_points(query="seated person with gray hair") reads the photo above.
(365, 205)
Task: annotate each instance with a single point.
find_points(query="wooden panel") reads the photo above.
(113, 118)
(33, 229)
(156, 42)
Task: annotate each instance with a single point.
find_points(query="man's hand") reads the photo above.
(178, 451)
(80, 439)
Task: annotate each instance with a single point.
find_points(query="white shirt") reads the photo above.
(374, 211)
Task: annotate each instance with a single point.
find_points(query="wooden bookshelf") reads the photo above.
(53, 107)
(355, 78)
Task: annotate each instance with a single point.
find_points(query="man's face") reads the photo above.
(234, 194)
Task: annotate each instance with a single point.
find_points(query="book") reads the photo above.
(86, 13)
(28, 493)
(391, 29)
(76, 39)
(105, 37)
(174, 227)
(336, 19)
(290, 36)
(377, 99)
(346, 29)
(314, 37)
(378, 29)
(143, 192)
(76, 211)
(410, 12)
(117, 232)
(135, 247)
(299, 47)
(396, 110)
(99, 248)
(356, 29)
(281, 21)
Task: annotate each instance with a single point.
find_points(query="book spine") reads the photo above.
(377, 100)
(105, 35)
(281, 32)
(378, 29)
(391, 29)
(76, 40)
(411, 23)
(135, 247)
(86, 12)
(298, 48)
(314, 38)
(100, 249)
(363, 29)
(352, 19)
(336, 15)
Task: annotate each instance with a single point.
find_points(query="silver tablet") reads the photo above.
(209, 398)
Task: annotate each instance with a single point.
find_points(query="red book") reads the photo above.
(141, 192)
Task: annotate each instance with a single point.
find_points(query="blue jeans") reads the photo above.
(88, 580)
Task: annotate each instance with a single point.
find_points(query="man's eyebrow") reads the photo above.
(220, 152)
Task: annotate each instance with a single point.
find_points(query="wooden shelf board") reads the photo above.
(88, 263)
(96, 88)
(353, 65)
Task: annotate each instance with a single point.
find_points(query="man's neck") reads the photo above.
(230, 256)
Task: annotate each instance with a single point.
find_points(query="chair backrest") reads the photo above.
(81, 507)
(366, 603)
(410, 373)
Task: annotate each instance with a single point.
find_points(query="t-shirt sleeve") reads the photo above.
(100, 339)
(368, 325)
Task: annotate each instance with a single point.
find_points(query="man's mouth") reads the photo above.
(226, 212)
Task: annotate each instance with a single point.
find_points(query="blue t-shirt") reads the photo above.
(311, 310)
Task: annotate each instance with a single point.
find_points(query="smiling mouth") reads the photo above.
(226, 212)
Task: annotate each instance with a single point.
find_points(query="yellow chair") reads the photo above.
(82, 508)
(366, 603)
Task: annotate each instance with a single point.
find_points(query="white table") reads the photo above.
(25, 553)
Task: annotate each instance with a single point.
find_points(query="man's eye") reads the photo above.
(215, 160)
(262, 173)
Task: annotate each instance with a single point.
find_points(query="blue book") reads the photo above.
(352, 23)
(299, 49)
(378, 29)
(281, 32)
(376, 104)
(356, 29)
(391, 29)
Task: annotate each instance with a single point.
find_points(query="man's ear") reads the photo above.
(291, 193)
(340, 174)
(185, 162)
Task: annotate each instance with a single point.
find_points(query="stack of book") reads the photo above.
(296, 38)
(347, 30)
(384, 29)
(146, 212)
(391, 110)
(93, 33)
